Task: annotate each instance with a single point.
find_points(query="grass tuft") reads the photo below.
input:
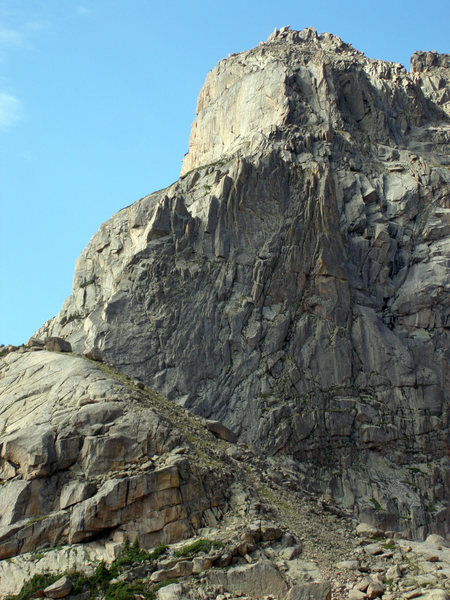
(197, 547)
(35, 584)
(99, 583)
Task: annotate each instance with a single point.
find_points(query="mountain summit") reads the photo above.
(294, 283)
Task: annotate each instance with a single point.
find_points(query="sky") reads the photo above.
(96, 103)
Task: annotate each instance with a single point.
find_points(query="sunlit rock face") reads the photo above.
(294, 283)
(86, 455)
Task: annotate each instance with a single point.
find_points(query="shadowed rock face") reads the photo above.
(294, 283)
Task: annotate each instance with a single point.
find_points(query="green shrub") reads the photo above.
(74, 317)
(157, 552)
(389, 546)
(131, 554)
(124, 590)
(99, 581)
(36, 583)
(376, 504)
(198, 546)
(80, 582)
(102, 576)
(85, 283)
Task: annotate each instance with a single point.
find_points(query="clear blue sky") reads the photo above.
(96, 102)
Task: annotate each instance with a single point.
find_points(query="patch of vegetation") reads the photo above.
(80, 582)
(124, 590)
(90, 281)
(100, 581)
(415, 470)
(102, 576)
(36, 519)
(276, 501)
(376, 504)
(198, 546)
(389, 546)
(157, 552)
(33, 585)
(131, 554)
(412, 565)
(74, 317)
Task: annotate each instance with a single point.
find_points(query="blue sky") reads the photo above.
(96, 103)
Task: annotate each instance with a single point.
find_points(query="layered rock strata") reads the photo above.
(294, 283)
(85, 456)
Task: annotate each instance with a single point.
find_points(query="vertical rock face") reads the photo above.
(294, 283)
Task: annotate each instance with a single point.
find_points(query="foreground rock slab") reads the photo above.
(76, 437)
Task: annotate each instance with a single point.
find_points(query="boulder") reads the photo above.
(220, 431)
(355, 594)
(32, 449)
(270, 532)
(174, 591)
(368, 531)
(310, 591)
(437, 540)
(57, 344)
(348, 564)
(94, 353)
(436, 594)
(60, 589)
(258, 579)
(374, 590)
(75, 492)
(200, 563)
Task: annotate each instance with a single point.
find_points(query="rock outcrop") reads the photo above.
(84, 455)
(294, 283)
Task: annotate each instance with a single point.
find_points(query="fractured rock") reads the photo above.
(83, 420)
(310, 591)
(220, 431)
(57, 344)
(60, 589)
(257, 579)
(310, 234)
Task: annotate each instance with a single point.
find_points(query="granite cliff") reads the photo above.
(293, 285)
